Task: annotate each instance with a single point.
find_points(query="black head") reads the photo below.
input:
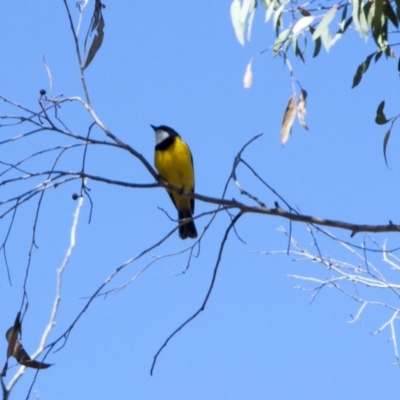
(171, 132)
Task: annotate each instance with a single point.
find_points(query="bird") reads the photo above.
(16, 349)
(174, 162)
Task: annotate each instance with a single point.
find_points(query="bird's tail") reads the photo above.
(188, 229)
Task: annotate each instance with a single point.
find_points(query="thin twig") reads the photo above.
(202, 307)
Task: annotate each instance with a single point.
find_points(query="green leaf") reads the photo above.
(297, 50)
(277, 17)
(251, 13)
(379, 24)
(345, 24)
(270, 10)
(318, 44)
(389, 52)
(377, 20)
(380, 118)
(302, 24)
(385, 142)
(280, 41)
(344, 14)
(359, 18)
(247, 13)
(389, 12)
(356, 14)
(246, 8)
(364, 24)
(237, 23)
(343, 27)
(323, 25)
(398, 8)
(369, 12)
(378, 55)
(361, 70)
(326, 39)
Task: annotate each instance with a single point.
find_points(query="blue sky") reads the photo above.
(179, 64)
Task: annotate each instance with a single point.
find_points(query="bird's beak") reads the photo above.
(154, 127)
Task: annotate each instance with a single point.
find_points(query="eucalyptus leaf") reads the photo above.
(302, 24)
(380, 118)
(390, 14)
(361, 70)
(277, 16)
(250, 19)
(270, 11)
(237, 23)
(318, 44)
(323, 25)
(385, 142)
(398, 9)
(280, 41)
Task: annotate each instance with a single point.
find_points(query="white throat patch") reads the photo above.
(161, 135)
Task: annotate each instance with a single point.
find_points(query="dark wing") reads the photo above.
(192, 199)
(172, 198)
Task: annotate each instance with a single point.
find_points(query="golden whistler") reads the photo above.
(174, 162)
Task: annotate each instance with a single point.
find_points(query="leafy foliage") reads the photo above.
(378, 19)
(289, 21)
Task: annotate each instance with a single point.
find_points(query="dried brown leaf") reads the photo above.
(34, 364)
(12, 339)
(12, 335)
(288, 119)
(248, 76)
(97, 24)
(302, 108)
(16, 350)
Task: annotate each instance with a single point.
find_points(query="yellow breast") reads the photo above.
(174, 164)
